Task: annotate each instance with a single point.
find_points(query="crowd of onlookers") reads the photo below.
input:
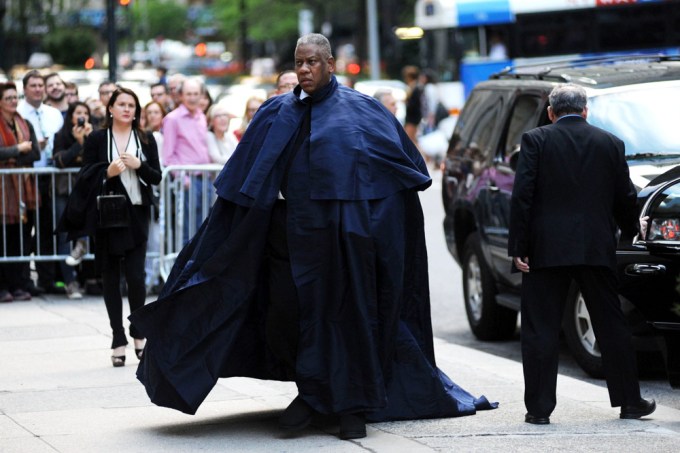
(189, 129)
(48, 128)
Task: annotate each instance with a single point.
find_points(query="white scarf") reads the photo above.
(129, 177)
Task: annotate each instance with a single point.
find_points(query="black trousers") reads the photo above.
(136, 291)
(544, 292)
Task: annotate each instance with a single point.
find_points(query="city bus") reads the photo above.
(468, 40)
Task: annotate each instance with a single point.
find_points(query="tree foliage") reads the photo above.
(71, 46)
(265, 20)
(161, 18)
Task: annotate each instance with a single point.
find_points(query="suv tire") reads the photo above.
(579, 334)
(488, 320)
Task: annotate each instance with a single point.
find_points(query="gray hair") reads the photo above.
(316, 39)
(381, 93)
(568, 98)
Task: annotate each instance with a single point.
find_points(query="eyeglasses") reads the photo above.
(71, 94)
(10, 98)
(106, 92)
(287, 85)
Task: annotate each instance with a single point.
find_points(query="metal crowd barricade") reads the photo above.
(33, 244)
(186, 196)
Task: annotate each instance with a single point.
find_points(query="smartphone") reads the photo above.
(81, 121)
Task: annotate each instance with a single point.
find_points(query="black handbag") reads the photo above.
(113, 211)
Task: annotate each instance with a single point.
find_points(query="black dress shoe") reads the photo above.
(6, 296)
(352, 426)
(20, 294)
(641, 409)
(536, 420)
(297, 416)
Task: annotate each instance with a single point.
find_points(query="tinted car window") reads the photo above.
(484, 129)
(524, 117)
(462, 133)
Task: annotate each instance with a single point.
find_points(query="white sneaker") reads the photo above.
(73, 290)
(77, 253)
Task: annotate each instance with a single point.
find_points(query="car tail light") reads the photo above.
(664, 229)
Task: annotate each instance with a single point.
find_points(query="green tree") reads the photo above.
(265, 20)
(160, 18)
(71, 46)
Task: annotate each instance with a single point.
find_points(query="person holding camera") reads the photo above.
(120, 159)
(68, 153)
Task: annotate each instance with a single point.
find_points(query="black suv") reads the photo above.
(637, 100)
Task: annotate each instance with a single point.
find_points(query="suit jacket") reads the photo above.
(571, 189)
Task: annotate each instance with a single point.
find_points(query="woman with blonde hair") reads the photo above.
(152, 115)
(221, 144)
(252, 105)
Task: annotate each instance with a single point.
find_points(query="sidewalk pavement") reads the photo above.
(59, 393)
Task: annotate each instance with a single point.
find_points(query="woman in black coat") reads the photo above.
(123, 159)
(68, 153)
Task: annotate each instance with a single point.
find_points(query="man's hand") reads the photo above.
(522, 263)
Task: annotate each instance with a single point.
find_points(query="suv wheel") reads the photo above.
(487, 319)
(580, 336)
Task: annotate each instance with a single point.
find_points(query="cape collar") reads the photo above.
(319, 95)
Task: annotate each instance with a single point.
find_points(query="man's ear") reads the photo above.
(551, 115)
(584, 113)
(331, 65)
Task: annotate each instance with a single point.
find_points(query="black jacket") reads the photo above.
(571, 189)
(80, 216)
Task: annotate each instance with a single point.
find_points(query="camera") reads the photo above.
(81, 122)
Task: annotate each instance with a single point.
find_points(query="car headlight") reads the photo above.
(664, 230)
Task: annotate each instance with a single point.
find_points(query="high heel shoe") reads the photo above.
(139, 352)
(118, 360)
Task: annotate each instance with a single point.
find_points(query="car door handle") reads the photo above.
(645, 269)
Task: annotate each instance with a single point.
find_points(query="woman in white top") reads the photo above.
(221, 144)
(120, 158)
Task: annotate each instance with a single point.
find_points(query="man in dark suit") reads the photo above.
(571, 189)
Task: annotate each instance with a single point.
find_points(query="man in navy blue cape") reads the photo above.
(311, 267)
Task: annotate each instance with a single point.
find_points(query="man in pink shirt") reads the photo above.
(185, 142)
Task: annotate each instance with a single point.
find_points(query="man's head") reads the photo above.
(54, 87)
(410, 74)
(174, 83)
(34, 87)
(159, 93)
(314, 62)
(286, 81)
(71, 92)
(190, 93)
(567, 99)
(387, 99)
(106, 89)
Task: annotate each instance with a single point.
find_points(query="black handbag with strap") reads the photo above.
(113, 211)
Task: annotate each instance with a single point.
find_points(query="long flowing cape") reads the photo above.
(358, 260)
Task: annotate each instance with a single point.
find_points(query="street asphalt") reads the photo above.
(59, 393)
